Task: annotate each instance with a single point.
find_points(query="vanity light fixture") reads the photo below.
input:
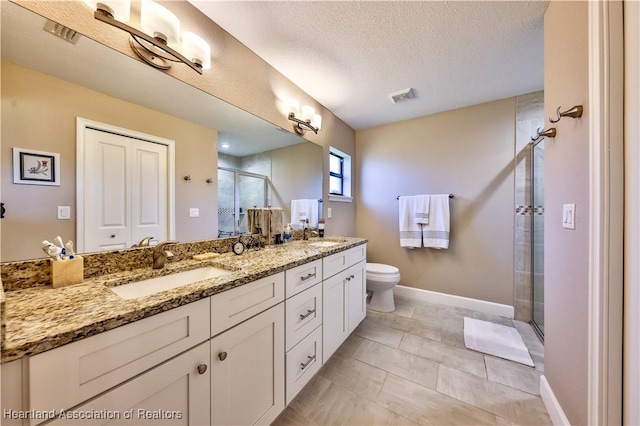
(308, 120)
(165, 27)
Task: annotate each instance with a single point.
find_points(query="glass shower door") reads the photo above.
(537, 236)
(237, 192)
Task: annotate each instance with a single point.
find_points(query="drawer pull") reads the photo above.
(352, 276)
(310, 275)
(309, 312)
(222, 356)
(202, 368)
(309, 361)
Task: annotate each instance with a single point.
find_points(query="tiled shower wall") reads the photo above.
(529, 117)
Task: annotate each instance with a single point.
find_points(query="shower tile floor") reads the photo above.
(410, 367)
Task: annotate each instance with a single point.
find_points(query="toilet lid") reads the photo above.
(380, 268)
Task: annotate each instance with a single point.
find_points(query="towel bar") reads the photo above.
(450, 196)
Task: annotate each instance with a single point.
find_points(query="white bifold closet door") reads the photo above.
(125, 190)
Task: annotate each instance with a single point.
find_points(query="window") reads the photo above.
(336, 174)
(339, 175)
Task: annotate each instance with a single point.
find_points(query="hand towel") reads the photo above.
(410, 236)
(254, 226)
(277, 220)
(302, 210)
(436, 233)
(422, 209)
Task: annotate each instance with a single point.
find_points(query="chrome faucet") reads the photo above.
(143, 242)
(160, 255)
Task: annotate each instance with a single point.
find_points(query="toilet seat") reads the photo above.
(382, 272)
(381, 268)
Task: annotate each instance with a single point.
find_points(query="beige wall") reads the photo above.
(39, 112)
(237, 76)
(567, 181)
(467, 152)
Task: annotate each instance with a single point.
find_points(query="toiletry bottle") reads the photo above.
(321, 228)
(287, 233)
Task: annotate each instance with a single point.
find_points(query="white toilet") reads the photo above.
(381, 279)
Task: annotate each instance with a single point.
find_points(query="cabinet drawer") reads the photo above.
(335, 263)
(303, 361)
(303, 314)
(236, 305)
(71, 374)
(303, 277)
(357, 254)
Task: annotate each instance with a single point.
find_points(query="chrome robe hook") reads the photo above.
(574, 112)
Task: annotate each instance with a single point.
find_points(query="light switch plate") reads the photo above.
(328, 212)
(194, 212)
(569, 216)
(64, 212)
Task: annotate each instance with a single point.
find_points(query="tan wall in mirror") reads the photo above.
(39, 112)
(566, 259)
(238, 76)
(467, 152)
(294, 175)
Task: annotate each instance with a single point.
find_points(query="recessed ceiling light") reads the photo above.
(224, 146)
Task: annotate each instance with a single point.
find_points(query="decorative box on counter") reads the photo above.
(67, 271)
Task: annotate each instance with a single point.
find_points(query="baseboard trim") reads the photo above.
(551, 403)
(457, 301)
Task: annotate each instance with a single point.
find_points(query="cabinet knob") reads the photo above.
(202, 368)
(112, 235)
(353, 276)
(222, 356)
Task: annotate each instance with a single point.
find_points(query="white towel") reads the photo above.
(302, 210)
(422, 209)
(410, 236)
(436, 233)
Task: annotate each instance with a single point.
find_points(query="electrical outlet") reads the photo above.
(194, 212)
(569, 216)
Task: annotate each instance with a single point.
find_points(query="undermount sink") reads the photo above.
(167, 282)
(324, 243)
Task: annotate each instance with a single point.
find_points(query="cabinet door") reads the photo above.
(335, 322)
(357, 298)
(247, 371)
(173, 393)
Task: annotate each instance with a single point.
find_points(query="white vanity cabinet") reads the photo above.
(303, 333)
(247, 371)
(174, 393)
(247, 353)
(69, 375)
(343, 295)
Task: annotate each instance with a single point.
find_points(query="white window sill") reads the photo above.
(340, 198)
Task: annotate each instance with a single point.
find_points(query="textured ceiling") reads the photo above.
(351, 55)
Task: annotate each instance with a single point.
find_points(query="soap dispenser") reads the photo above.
(287, 233)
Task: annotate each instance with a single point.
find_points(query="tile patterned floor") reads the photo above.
(410, 367)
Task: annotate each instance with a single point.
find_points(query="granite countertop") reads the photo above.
(42, 318)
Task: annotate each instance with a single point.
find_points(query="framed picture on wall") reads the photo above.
(32, 167)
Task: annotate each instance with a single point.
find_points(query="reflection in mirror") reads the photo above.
(47, 83)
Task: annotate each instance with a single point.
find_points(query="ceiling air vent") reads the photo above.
(401, 96)
(61, 31)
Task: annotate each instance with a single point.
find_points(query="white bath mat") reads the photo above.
(495, 339)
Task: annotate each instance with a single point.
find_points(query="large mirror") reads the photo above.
(48, 82)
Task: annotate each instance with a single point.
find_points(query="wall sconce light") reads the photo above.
(165, 27)
(308, 120)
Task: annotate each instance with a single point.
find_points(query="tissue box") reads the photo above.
(67, 272)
